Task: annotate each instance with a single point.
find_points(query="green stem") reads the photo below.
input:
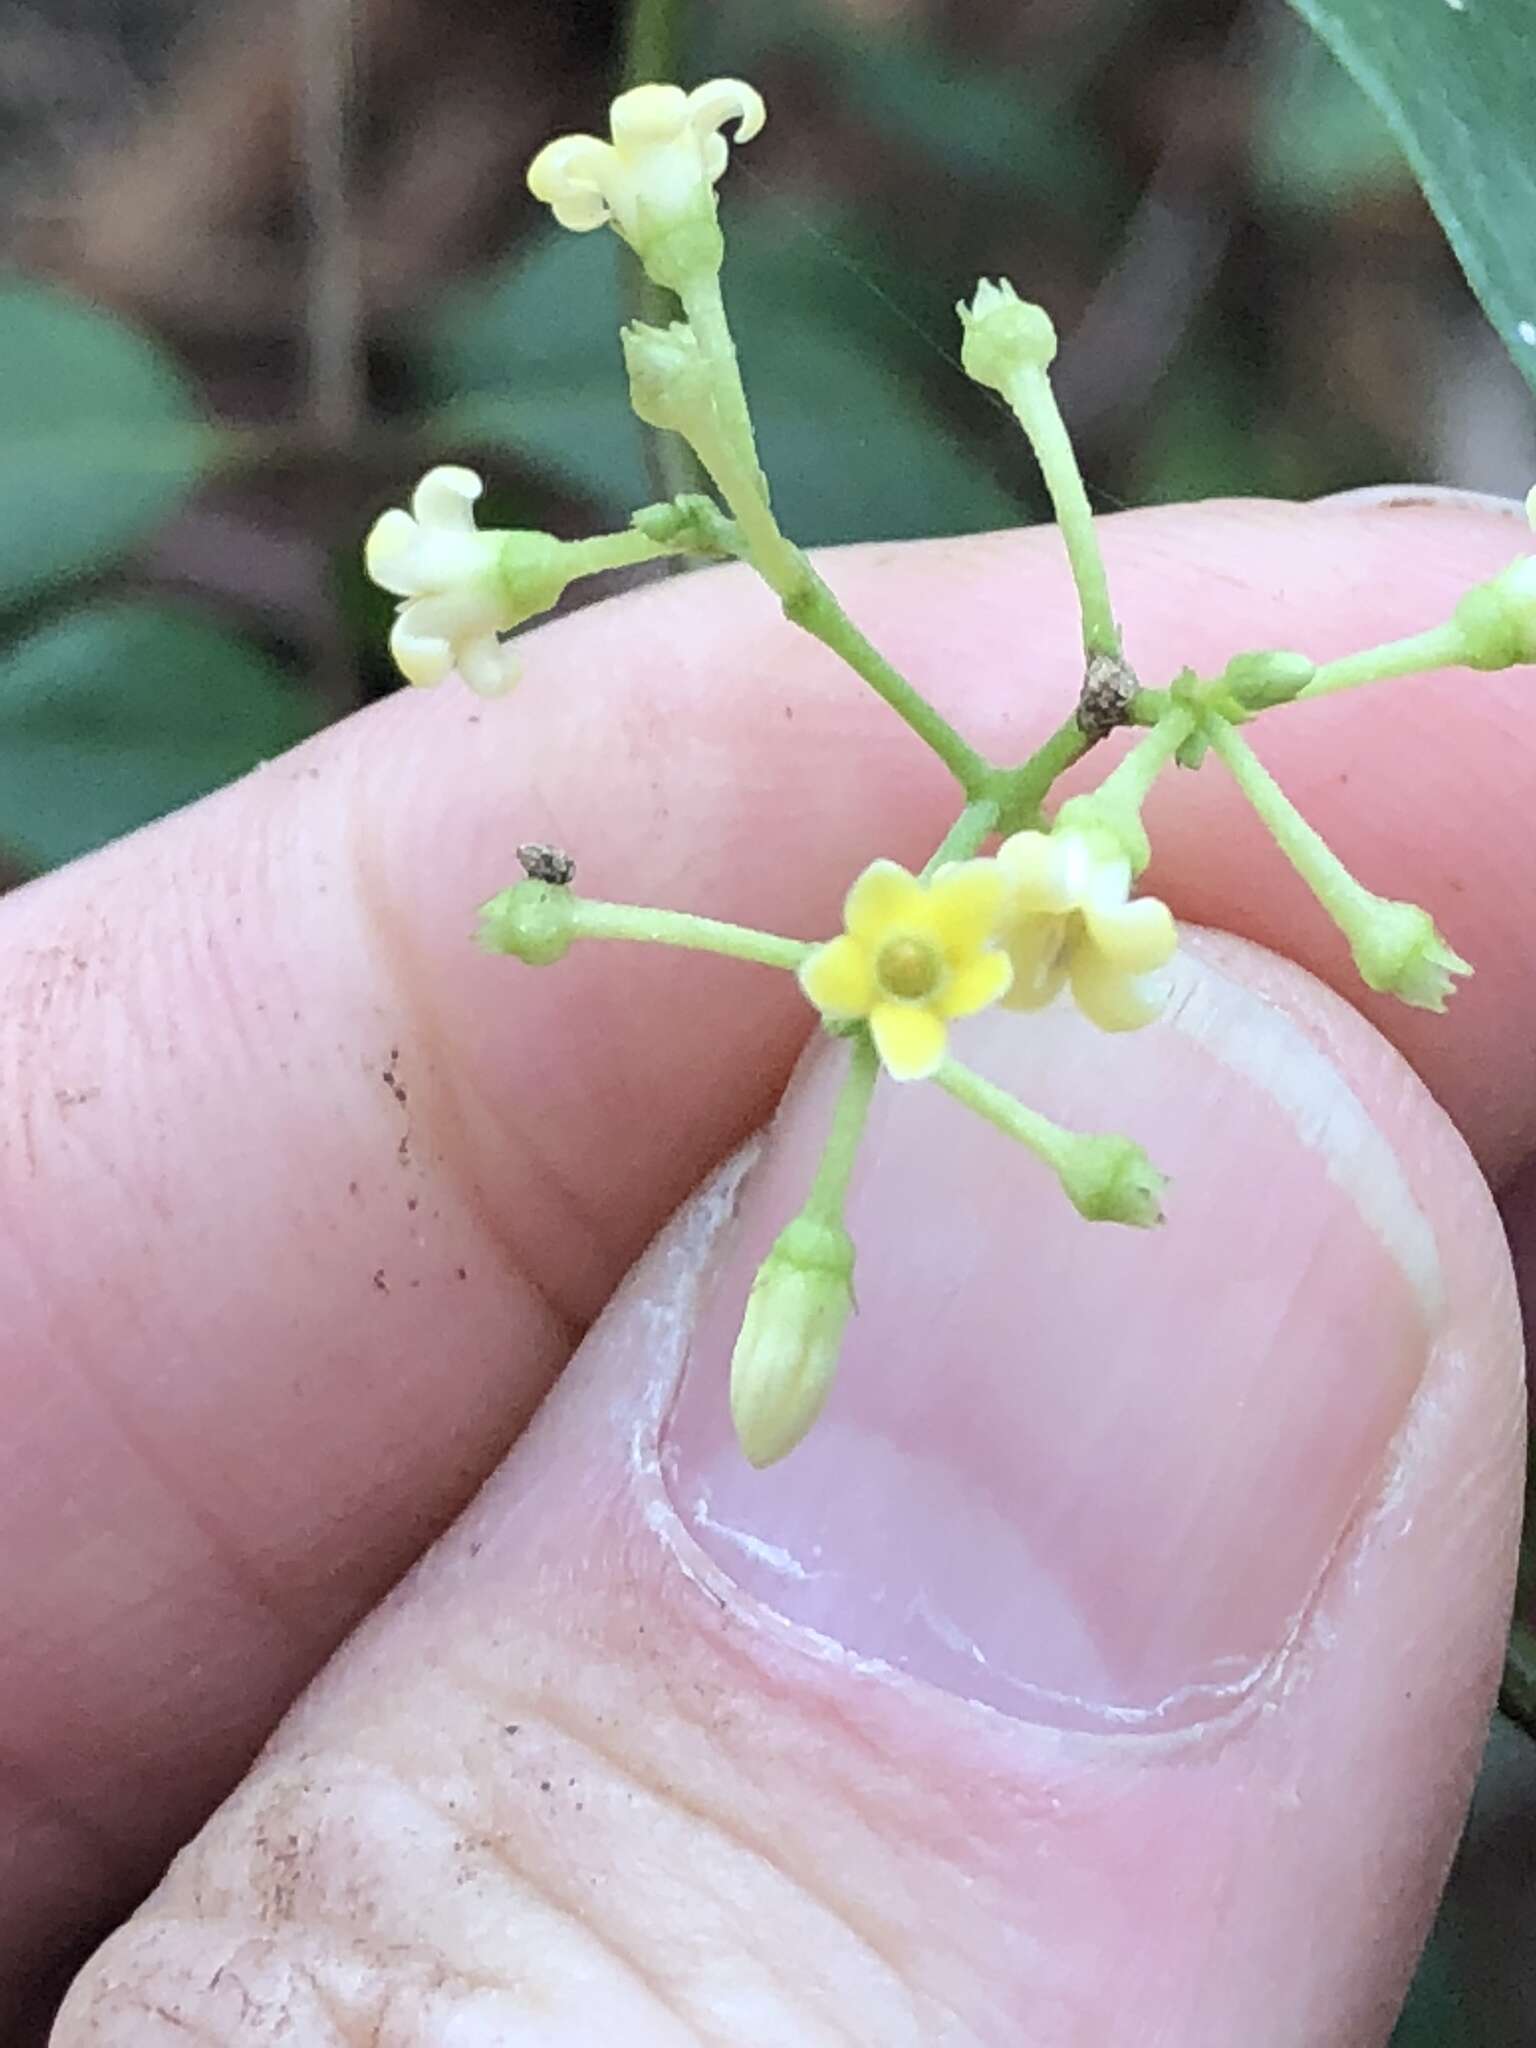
(1106, 1178)
(1345, 899)
(620, 551)
(705, 309)
(1129, 783)
(1440, 647)
(1034, 405)
(811, 605)
(829, 1190)
(1022, 790)
(967, 835)
(729, 452)
(655, 45)
(1015, 1119)
(594, 919)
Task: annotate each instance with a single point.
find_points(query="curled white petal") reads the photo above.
(573, 176)
(445, 498)
(488, 665)
(423, 656)
(389, 554)
(712, 105)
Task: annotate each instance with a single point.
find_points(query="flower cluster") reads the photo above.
(1052, 910)
(1049, 910)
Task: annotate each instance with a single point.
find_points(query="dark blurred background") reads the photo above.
(265, 262)
(315, 210)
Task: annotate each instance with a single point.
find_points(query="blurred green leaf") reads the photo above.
(530, 360)
(1008, 126)
(1317, 141)
(1454, 79)
(1435, 2014)
(119, 712)
(99, 437)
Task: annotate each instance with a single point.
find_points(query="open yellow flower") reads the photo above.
(658, 172)
(913, 955)
(1067, 917)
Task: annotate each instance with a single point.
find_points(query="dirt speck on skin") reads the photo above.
(380, 1282)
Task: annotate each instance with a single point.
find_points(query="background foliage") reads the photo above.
(261, 265)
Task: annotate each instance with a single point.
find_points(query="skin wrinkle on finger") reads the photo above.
(393, 1407)
(1041, 1850)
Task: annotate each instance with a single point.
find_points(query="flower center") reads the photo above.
(909, 968)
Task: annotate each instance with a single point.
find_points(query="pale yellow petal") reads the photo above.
(909, 1041)
(1111, 998)
(422, 656)
(982, 980)
(389, 553)
(885, 895)
(1135, 936)
(445, 498)
(1038, 872)
(839, 978)
(720, 100)
(489, 666)
(648, 115)
(964, 900)
(1036, 948)
(571, 176)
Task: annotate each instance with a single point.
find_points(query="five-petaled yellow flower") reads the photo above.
(1067, 917)
(913, 955)
(659, 169)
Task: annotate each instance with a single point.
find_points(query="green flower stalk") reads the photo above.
(463, 588)
(1009, 346)
(1395, 946)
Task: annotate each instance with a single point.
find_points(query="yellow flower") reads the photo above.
(1067, 917)
(658, 172)
(462, 588)
(912, 956)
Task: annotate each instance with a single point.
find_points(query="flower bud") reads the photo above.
(690, 520)
(1399, 953)
(1107, 1179)
(1004, 336)
(785, 1358)
(1497, 619)
(1267, 677)
(668, 379)
(535, 922)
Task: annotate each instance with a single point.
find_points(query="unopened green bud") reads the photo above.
(1497, 619)
(1400, 953)
(669, 383)
(1004, 336)
(786, 1356)
(1108, 1179)
(535, 922)
(690, 520)
(1265, 678)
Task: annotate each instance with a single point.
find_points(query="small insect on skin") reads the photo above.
(546, 864)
